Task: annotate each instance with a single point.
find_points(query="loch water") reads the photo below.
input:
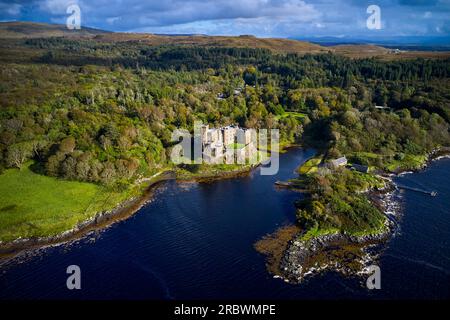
(195, 241)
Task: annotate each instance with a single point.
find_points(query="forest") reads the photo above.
(99, 112)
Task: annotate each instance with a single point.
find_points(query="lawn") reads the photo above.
(286, 114)
(310, 166)
(409, 162)
(368, 155)
(33, 205)
(280, 147)
(316, 232)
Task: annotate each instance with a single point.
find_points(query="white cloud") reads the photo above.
(112, 20)
(13, 9)
(259, 17)
(56, 7)
(291, 18)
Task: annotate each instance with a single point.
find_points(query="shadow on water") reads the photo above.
(196, 241)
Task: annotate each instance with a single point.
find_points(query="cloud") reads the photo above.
(12, 9)
(260, 17)
(182, 12)
(111, 20)
(284, 18)
(56, 7)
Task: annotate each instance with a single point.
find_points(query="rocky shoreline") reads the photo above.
(346, 254)
(100, 221)
(105, 219)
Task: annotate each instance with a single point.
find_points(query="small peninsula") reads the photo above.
(87, 122)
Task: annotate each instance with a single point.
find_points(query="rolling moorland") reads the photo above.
(90, 113)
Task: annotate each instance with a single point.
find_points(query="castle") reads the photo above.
(229, 144)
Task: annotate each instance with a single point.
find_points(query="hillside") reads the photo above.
(275, 45)
(26, 30)
(14, 30)
(373, 51)
(92, 115)
(17, 30)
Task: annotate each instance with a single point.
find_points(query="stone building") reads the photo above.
(229, 144)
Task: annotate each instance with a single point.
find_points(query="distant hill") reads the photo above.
(373, 51)
(42, 30)
(276, 45)
(17, 30)
(422, 43)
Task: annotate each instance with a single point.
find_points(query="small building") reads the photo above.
(396, 51)
(221, 96)
(340, 162)
(360, 168)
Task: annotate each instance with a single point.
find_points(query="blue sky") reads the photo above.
(265, 18)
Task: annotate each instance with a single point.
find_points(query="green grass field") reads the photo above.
(310, 166)
(297, 115)
(32, 205)
(410, 162)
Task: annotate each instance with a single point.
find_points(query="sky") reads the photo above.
(263, 18)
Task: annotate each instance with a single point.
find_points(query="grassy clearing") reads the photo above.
(32, 205)
(316, 232)
(286, 114)
(367, 158)
(367, 155)
(204, 170)
(409, 162)
(276, 147)
(371, 232)
(310, 166)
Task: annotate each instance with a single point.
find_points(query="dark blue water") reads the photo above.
(196, 241)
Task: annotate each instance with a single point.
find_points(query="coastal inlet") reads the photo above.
(196, 240)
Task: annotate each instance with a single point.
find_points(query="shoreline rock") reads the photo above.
(298, 261)
(105, 219)
(304, 258)
(100, 221)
